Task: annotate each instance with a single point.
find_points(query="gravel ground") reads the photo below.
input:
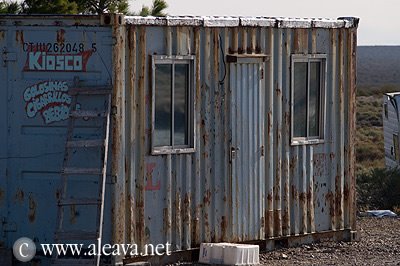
(379, 245)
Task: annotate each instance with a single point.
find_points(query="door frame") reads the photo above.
(234, 202)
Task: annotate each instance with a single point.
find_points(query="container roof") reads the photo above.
(393, 94)
(228, 21)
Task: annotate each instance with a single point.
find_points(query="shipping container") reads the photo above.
(233, 129)
(391, 126)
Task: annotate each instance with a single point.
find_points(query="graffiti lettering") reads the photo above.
(50, 99)
(42, 61)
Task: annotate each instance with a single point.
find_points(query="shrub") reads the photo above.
(379, 189)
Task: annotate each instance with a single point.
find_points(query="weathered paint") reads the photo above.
(186, 199)
(300, 192)
(33, 112)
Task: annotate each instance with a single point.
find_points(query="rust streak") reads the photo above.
(32, 209)
(2, 196)
(207, 198)
(338, 196)
(186, 207)
(234, 47)
(61, 36)
(224, 228)
(19, 196)
(243, 45)
(277, 222)
(73, 214)
(295, 193)
(330, 200)
(269, 222)
(196, 227)
(269, 122)
(19, 37)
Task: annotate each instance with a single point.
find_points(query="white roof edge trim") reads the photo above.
(231, 21)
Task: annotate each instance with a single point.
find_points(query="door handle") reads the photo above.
(234, 152)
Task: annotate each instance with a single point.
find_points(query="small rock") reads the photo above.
(284, 256)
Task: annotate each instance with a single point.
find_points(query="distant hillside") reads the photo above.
(378, 65)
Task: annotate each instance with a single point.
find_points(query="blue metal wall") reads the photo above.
(32, 134)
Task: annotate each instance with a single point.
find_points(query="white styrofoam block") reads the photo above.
(241, 255)
(229, 254)
(217, 253)
(205, 253)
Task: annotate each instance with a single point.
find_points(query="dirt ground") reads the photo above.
(379, 245)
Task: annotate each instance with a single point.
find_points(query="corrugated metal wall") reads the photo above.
(186, 199)
(390, 127)
(34, 93)
(270, 189)
(247, 150)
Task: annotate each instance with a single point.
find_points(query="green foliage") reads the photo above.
(156, 10)
(79, 7)
(145, 11)
(65, 7)
(103, 6)
(49, 7)
(379, 189)
(7, 7)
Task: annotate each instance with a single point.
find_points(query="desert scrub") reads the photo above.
(379, 189)
(369, 134)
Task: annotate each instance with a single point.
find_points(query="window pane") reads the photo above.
(163, 91)
(300, 100)
(180, 104)
(314, 100)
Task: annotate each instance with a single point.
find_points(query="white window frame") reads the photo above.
(298, 58)
(191, 122)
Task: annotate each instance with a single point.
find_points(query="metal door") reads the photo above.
(247, 148)
(43, 64)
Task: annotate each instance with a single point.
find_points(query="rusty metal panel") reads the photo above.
(270, 189)
(119, 208)
(303, 185)
(247, 150)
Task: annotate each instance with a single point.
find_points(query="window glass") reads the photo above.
(300, 99)
(307, 103)
(173, 127)
(180, 104)
(385, 106)
(314, 99)
(163, 105)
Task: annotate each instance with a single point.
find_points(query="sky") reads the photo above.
(379, 20)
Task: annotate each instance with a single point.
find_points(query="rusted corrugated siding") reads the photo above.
(304, 189)
(186, 199)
